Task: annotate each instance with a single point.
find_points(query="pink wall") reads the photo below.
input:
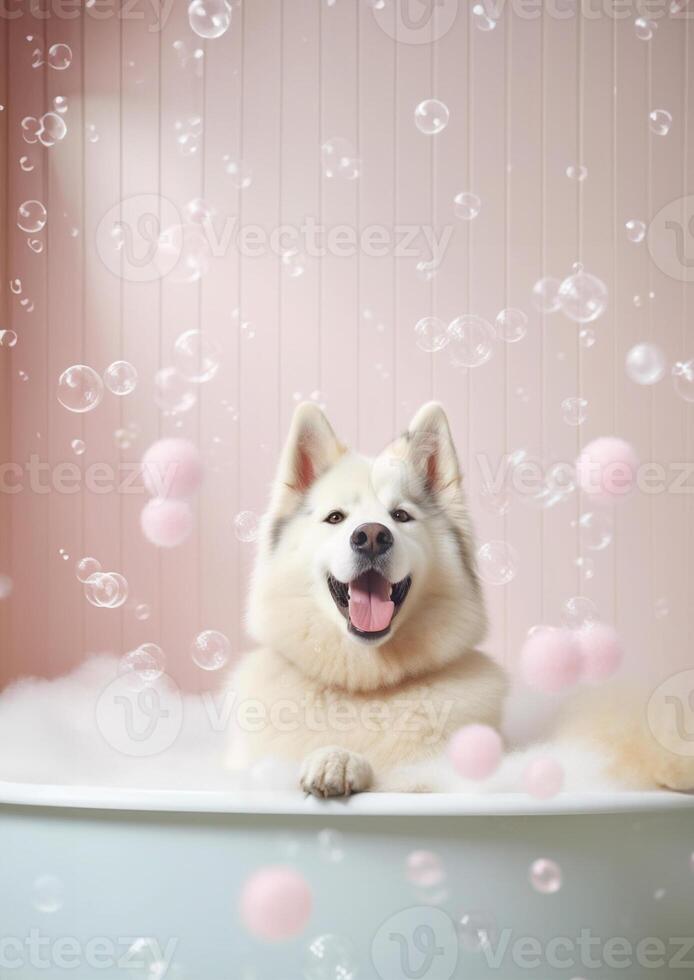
(526, 100)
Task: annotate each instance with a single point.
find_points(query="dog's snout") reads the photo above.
(371, 539)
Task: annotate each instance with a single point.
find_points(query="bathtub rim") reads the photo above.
(368, 804)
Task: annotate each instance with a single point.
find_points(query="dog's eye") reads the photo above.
(334, 517)
(402, 516)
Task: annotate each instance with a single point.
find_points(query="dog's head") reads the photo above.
(365, 573)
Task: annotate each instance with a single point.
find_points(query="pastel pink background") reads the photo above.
(526, 100)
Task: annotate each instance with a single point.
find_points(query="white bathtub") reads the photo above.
(170, 864)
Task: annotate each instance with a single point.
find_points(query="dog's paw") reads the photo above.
(335, 772)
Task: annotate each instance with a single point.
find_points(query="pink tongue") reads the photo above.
(370, 608)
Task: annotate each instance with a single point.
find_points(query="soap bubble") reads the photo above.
(511, 325)
(247, 330)
(183, 253)
(26, 165)
(426, 269)
(86, 567)
(107, 590)
(78, 447)
(35, 244)
(645, 364)
(48, 894)
(188, 135)
(595, 529)
(8, 338)
(545, 876)
(471, 339)
(431, 116)
(210, 650)
(80, 389)
(52, 129)
(683, 379)
(241, 175)
(561, 479)
(477, 931)
(330, 957)
(246, 526)
(497, 562)
(92, 134)
(196, 357)
(660, 121)
(425, 869)
(586, 567)
(209, 18)
(172, 393)
(123, 438)
(340, 159)
(577, 172)
(574, 410)
(142, 612)
(466, 205)
(582, 296)
(146, 663)
(578, 612)
(431, 334)
(59, 56)
(60, 104)
(120, 378)
(5, 586)
(31, 217)
(199, 211)
(482, 20)
(546, 295)
(331, 845)
(644, 28)
(636, 230)
(294, 262)
(16, 286)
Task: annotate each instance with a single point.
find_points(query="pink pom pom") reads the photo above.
(172, 468)
(607, 469)
(543, 778)
(475, 751)
(166, 523)
(550, 661)
(602, 652)
(275, 903)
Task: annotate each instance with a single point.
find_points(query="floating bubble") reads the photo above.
(147, 662)
(92, 134)
(546, 296)
(196, 357)
(645, 364)
(5, 587)
(52, 129)
(246, 526)
(78, 447)
(123, 438)
(582, 296)
(331, 845)
(330, 957)
(578, 612)
(210, 650)
(425, 869)
(339, 159)
(107, 590)
(172, 392)
(471, 339)
(560, 479)
(586, 567)
(644, 28)
(31, 217)
(596, 530)
(60, 104)
(209, 18)
(635, 230)
(481, 19)
(587, 338)
(545, 876)
(426, 269)
(466, 205)
(86, 567)
(16, 286)
(26, 165)
(497, 562)
(35, 244)
(294, 263)
(8, 338)
(660, 121)
(120, 378)
(59, 56)
(431, 117)
(683, 379)
(188, 135)
(142, 612)
(31, 127)
(80, 389)
(247, 330)
(22, 375)
(241, 175)
(477, 931)
(577, 172)
(48, 894)
(511, 325)
(431, 334)
(574, 410)
(199, 211)
(183, 253)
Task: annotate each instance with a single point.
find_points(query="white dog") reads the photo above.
(368, 610)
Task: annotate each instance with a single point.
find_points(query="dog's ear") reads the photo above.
(431, 450)
(310, 450)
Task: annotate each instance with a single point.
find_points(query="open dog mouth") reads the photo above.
(369, 602)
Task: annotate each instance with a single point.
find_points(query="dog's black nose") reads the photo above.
(371, 539)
